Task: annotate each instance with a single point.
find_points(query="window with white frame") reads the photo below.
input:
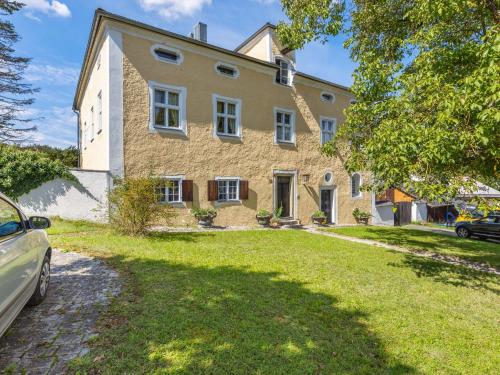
(228, 189)
(356, 185)
(227, 70)
(327, 96)
(167, 108)
(227, 116)
(283, 74)
(285, 126)
(328, 129)
(170, 190)
(99, 112)
(167, 54)
(92, 124)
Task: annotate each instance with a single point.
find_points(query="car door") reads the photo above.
(18, 260)
(483, 226)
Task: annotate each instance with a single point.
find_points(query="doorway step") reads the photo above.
(290, 223)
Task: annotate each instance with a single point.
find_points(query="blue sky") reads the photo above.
(54, 33)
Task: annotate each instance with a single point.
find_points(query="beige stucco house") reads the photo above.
(238, 130)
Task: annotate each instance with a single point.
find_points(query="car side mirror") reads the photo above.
(39, 222)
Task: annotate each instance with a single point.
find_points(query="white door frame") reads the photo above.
(333, 219)
(294, 198)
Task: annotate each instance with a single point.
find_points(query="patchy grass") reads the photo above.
(414, 239)
(285, 302)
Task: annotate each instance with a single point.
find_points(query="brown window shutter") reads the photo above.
(187, 190)
(243, 190)
(212, 190)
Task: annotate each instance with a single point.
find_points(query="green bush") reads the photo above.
(264, 213)
(319, 215)
(204, 212)
(24, 170)
(360, 215)
(134, 205)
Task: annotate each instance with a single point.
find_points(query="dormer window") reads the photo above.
(283, 74)
(167, 54)
(327, 97)
(227, 70)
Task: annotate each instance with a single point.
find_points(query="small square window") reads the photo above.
(228, 190)
(170, 191)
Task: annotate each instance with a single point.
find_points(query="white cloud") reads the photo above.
(54, 75)
(54, 8)
(174, 8)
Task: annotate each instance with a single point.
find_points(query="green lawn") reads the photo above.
(414, 239)
(285, 302)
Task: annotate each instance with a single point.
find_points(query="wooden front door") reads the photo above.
(327, 204)
(283, 195)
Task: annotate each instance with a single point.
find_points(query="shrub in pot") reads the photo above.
(275, 220)
(319, 218)
(361, 217)
(205, 216)
(264, 217)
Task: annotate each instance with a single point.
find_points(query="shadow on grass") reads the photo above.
(450, 274)
(409, 238)
(226, 320)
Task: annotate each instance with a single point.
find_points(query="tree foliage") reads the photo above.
(427, 88)
(14, 93)
(24, 170)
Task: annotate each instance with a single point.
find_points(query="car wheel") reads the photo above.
(463, 232)
(43, 284)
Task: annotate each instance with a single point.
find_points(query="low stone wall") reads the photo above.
(85, 199)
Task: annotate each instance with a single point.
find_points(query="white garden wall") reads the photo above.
(383, 214)
(85, 199)
(419, 211)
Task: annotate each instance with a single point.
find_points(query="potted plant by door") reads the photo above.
(275, 220)
(205, 216)
(319, 218)
(263, 217)
(361, 217)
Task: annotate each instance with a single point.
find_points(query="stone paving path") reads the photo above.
(426, 254)
(44, 338)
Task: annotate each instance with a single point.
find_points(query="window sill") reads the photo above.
(159, 129)
(285, 143)
(236, 202)
(228, 136)
(175, 204)
(357, 197)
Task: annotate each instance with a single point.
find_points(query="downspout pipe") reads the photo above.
(78, 138)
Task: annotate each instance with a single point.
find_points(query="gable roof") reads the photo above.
(101, 14)
(254, 35)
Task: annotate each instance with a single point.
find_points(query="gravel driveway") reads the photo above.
(44, 338)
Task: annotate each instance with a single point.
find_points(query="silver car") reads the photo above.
(24, 261)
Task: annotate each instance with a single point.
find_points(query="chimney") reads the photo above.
(200, 32)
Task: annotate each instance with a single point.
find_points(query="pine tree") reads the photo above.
(15, 95)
